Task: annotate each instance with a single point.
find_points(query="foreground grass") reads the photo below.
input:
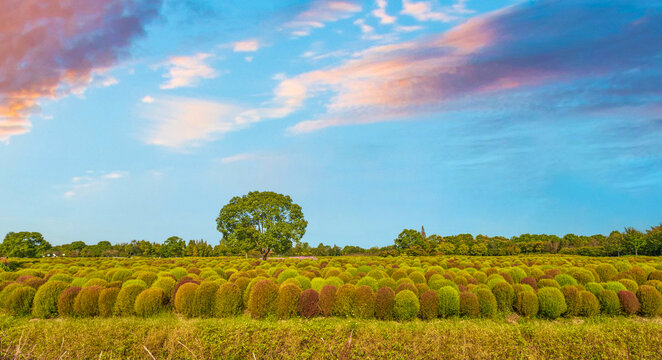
(169, 337)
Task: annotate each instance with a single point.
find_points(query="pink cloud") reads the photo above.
(320, 12)
(55, 48)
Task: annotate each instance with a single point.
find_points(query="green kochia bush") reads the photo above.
(20, 300)
(185, 299)
(527, 303)
(262, 300)
(384, 300)
(651, 301)
(364, 307)
(551, 302)
(204, 298)
(150, 302)
(572, 300)
(87, 301)
(327, 299)
(449, 302)
(345, 301)
(287, 301)
(590, 306)
(609, 303)
(228, 300)
(406, 305)
(505, 295)
(126, 298)
(107, 299)
(45, 299)
(487, 303)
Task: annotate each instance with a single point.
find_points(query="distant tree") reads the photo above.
(173, 247)
(634, 239)
(408, 238)
(613, 244)
(24, 244)
(445, 248)
(478, 249)
(77, 245)
(266, 221)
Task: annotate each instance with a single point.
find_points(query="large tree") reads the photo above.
(265, 221)
(24, 244)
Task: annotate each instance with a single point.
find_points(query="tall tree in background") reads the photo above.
(634, 239)
(24, 244)
(265, 221)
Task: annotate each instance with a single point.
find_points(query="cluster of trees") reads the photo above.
(628, 242)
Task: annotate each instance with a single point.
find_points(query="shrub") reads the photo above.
(287, 274)
(486, 302)
(429, 305)
(308, 303)
(650, 300)
(304, 282)
(572, 300)
(87, 301)
(505, 296)
(150, 302)
(167, 284)
(630, 285)
(629, 302)
(527, 304)
(417, 277)
(107, 299)
(594, 288)
(548, 283)
(583, 276)
(590, 306)
(19, 301)
(609, 303)
(228, 300)
(406, 305)
(387, 282)
(530, 281)
(204, 298)
(551, 302)
(655, 275)
(44, 305)
(372, 283)
(565, 279)
(364, 307)
(185, 299)
(615, 286)
(469, 306)
(126, 299)
(517, 274)
(384, 300)
(96, 282)
(178, 273)
(317, 284)
(147, 276)
(122, 275)
(345, 301)
(327, 299)
(407, 286)
(287, 301)
(66, 301)
(262, 300)
(449, 301)
(606, 272)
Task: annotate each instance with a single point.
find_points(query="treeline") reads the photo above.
(410, 242)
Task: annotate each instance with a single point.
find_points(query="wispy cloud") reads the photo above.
(380, 13)
(92, 181)
(423, 11)
(250, 45)
(238, 158)
(180, 123)
(320, 12)
(58, 48)
(187, 71)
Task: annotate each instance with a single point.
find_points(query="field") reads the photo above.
(529, 307)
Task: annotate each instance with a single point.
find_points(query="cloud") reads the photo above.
(147, 99)
(381, 14)
(422, 11)
(91, 182)
(52, 49)
(180, 123)
(542, 50)
(238, 158)
(320, 12)
(187, 71)
(250, 45)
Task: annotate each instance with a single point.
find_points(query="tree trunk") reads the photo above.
(265, 253)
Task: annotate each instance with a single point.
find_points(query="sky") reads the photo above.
(129, 119)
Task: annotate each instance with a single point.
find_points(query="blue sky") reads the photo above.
(124, 120)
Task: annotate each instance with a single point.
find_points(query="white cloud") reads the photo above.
(238, 158)
(248, 58)
(92, 182)
(186, 71)
(381, 14)
(422, 11)
(250, 45)
(180, 122)
(147, 99)
(320, 12)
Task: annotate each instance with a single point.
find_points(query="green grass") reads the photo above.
(169, 337)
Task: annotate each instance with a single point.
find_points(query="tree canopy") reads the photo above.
(265, 221)
(24, 244)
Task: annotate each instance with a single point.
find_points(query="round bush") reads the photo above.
(205, 295)
(364, 307)
(96, 282)
(606, 272)
(287, 301)
(449, 301)
(517, 274)
(147, 276)
(262, 300)
(650, 300)
(384, 300)
(150, 302)
(486, 302)
(304, 282)
(185, 299)
(548, 283)
(595, 288)
(327, 299)
(387, 282)
(573, 300)
(368, 281)
(20, 300)
(429, 305)
(122, 275)
(530, 281)
(287, 274)
(44, 305)
(126, 299)
(565, 279)
(228, 301)
(66, 301)
(590, 306)
(630, 285)
(406, 305)
(87, 301)
(469, 306)
(505, 296)
(615, 286)
(527, 304)
(629, 302)
(609, 302)
(551, 302)
(107, 299)
(345, 301)
(165, 283)
(308, 303)
(317, 284)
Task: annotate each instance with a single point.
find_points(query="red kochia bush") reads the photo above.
(87, 301)
(429, 305)
(365, 302)
(384, 299)
(65, 303)
(327, 299)
(629, 302)
(262, 300)
(308, 303)
(530, 281)
(469, 304)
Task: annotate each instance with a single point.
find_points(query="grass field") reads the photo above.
(169, 337)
